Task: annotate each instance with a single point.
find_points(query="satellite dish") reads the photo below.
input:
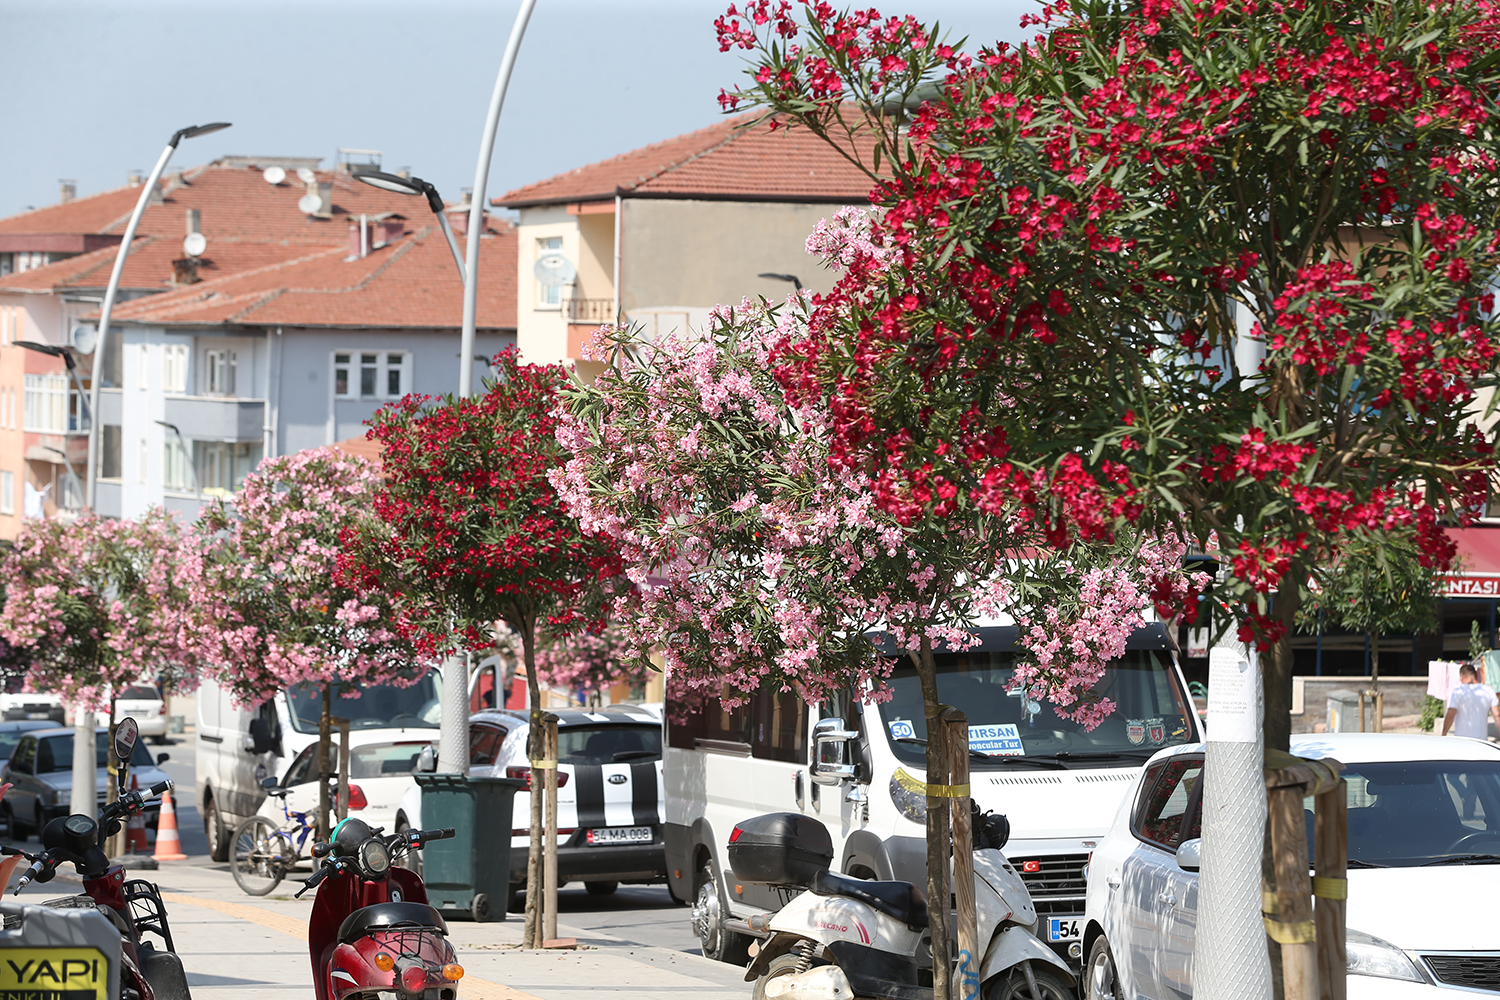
(306, 176)
(195, 244)
(84, 339)
(553, 269)
(274, 175)
(310, 203)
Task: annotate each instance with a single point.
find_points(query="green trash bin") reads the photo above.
(469, 872)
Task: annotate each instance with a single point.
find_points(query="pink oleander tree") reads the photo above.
(588, 664)
(757, 561)
(99, 604)
(270, 610)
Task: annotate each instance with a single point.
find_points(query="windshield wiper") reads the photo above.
(1356, 863)
(1464, 859)
(920, 742)
(634, 754)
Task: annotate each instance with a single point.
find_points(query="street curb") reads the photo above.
(590, 937)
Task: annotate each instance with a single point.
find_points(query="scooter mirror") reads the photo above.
(322, 849)
(127, 734)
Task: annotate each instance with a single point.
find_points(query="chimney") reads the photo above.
(459, 221)
(465, 196)
(69, 191)
(389, 230)
(159, 193)
(325, 196)
(134, 178)
(184, 271)
(404, 172)
(193, 219)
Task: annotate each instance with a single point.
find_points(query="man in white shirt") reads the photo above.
(1468, 705)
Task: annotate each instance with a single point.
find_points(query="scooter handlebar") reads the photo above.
(422, 836)
(312, 881)
(38, 867)
(159, 788)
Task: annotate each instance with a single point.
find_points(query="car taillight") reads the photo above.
(357, 798)
(735, 834)
(524, 773)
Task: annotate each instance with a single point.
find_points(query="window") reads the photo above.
(174, 367)
(371, 375)
(548, 296)
(109, 452)
(219, 370)
(25, 753)
(223, 465)
(608, 744)
(773, 726)
(7, 492)
(484, 744)
(1171, 791)
(46, 404)
(175, 473)
(142, 363)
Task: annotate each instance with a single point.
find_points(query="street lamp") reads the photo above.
(191, 132)
(781, 277)
(417, 186)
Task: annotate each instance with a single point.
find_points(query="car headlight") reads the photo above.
(1370, 956)
(374, 857)
(911, 805)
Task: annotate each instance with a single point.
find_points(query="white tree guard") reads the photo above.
(1230, 960)
(453, 738)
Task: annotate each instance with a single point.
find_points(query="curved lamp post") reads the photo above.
(110, 291)
(782, 277)
(417, 186)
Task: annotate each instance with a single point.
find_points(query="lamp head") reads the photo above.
(193, 131)
(403, 185)
(797, 282)
(51, 349)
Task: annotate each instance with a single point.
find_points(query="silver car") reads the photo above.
(40, 771)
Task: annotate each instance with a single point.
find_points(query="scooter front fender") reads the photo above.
(1014, 945)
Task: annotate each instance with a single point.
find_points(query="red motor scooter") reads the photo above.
(372, 931)
(134, 906)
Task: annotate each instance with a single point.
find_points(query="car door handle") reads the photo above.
(1166, 897)
(1113, 881)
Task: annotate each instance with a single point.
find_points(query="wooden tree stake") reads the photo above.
(966, 979)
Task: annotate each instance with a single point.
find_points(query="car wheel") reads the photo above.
(718, 942)
(1013, 985)
(1101, 977)
(161, 740)
(600, 888)
(14, 827)
(213, 829)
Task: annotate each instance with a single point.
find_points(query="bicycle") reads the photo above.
(262, 853)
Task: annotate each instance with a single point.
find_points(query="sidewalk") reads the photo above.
(239, 947)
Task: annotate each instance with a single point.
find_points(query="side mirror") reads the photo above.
(321, 849)
(1189, 855)
(260, 737)
(127, 734)
(268, 782)
(830, 763)
(427, 760)
(162, 758)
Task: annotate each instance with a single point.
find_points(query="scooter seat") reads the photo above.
(901, 900)
(390, 917)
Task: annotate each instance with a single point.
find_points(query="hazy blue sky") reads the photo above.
(95, 89)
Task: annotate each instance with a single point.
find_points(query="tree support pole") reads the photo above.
(549, 836)
(343, 778)
(937, 825)
(956, 730)
(1331, 887)
(325, 742)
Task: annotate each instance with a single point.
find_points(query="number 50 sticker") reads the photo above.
(902, 730)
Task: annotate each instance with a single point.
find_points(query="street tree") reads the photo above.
(589, 663)
(469, 532)
(1224, 265)
(758, 562)
(1376, 585)
(270, 610)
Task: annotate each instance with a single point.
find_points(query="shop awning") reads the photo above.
(1478, 573)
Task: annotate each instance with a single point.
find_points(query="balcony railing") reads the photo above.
(595, 311)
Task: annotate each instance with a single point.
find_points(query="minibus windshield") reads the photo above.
(1009, 724)
(380, 706)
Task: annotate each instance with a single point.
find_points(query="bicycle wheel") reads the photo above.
(259, 855)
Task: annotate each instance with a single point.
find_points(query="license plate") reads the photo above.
(1063, 928)
(37, 715)
(605, 835)
(54, 974)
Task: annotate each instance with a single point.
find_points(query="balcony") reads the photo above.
(592, 312)
(224, 418)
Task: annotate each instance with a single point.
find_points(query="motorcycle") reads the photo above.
(840, 938)
(94, 942)
(371, 929)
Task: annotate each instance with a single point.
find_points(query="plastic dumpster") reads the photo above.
(471, 871)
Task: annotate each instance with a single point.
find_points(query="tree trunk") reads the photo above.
(1377, 703)
(325, 742)
(116, 845)
(1276, 664)
(937, 825)
(534, 752)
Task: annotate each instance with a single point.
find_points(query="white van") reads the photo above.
(239, 748)
(1059, 784)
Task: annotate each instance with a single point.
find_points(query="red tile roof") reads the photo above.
(724, 161)
(409, 283)
(149, 266)
(233, 203)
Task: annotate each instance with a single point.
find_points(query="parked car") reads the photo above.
(1424, 824)
(40, 771)
(380, 773)
(144, 704)
(609, 796)
(16, 704)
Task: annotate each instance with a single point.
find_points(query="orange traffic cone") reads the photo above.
(135, 830)
(168, 844)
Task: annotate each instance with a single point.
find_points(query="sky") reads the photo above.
(95, 89)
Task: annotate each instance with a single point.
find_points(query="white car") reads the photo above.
(380, 773)
(1424, 826)
(144, 704)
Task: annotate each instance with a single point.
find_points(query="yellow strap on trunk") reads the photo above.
(544, 765)
(1330, 888)
(911, 784)
(1283, 932)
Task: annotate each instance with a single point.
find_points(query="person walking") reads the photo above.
(1468, 705)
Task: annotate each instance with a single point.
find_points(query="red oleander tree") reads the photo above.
(468, 532)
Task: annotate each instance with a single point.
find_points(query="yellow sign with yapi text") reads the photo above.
(53, 974)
